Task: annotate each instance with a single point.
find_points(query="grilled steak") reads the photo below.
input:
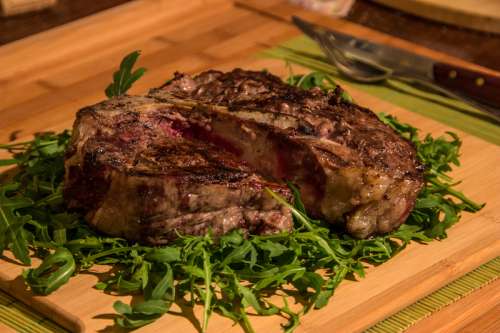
(197, 153)
(350, 167)
(135, 176)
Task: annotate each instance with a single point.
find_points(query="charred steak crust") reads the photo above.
(197, 153)
(351, 168)
(135, 176)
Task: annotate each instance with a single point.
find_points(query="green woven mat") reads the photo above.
(450, 293)
(23, 319)
(305, 52)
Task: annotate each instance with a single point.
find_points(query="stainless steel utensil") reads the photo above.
(364, 61)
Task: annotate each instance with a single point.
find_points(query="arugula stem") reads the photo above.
(323, 243)
(247, 326)
(46, 245)
(48, 199)
(26, 143)
(459, 195)
(293, 317)
(13, 145)
(295, 212)
(208, 291)
(303, 219)
(112, 251)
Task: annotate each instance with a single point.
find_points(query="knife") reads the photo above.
(477, 85)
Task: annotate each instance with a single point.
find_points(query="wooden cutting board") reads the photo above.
(481, 15)
(74, 63)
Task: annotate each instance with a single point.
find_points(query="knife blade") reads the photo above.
(400, 61)
(477, 85)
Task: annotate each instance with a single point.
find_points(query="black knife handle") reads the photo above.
(477, 85)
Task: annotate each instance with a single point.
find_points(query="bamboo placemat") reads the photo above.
(434, 302)
(22, 318)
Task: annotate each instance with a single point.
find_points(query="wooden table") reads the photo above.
(474, 46)
(46, 78)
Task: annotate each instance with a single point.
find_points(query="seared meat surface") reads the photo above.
(350, 167)
(198, 152)
(135, 176)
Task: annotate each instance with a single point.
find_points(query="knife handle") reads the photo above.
(477, 85)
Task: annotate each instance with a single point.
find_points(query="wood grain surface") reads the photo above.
(69, 67)
(481, 15)
(474, 46)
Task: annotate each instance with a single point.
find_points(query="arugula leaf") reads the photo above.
(139, 314)
(163, 255)
(330, 286)
(157, 303)
(249, 298)
(317, 79)
(11, 223)
(122, 308)
(165, 290)
(275, 249)
(124, 77)
(8, 162)
(53, 272)
(150, 307)
(310, 280)
(312, 80)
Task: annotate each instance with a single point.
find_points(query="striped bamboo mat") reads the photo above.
(434, 302)
(21, 318)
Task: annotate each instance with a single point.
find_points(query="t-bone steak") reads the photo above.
(197, 154)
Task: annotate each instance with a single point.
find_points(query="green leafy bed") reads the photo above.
(233, 276)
